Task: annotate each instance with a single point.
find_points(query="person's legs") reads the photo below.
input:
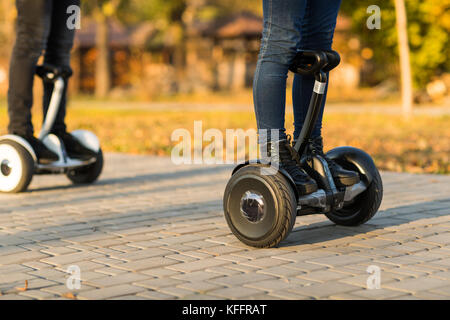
(317, 32)
(281, 38)
(59, 46)
(32, 29)
(33, 21)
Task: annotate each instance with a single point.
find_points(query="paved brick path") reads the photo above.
(152, 230)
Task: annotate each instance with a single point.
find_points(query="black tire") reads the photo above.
(25, 173)
(88, 174)
(280, 207)
(365, 205)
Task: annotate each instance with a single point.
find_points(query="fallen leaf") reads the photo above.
(24, 288)
(69, 295)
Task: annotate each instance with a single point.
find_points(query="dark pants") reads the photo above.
(289, 25)
(41, 28)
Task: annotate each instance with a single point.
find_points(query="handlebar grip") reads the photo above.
(334, 59)
(308, 62)
(50, 72)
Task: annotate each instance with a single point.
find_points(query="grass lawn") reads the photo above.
(420, 144)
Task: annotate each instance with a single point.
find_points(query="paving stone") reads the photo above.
(305, 266)
(144, 264)
(220, 250)
(287, 295)
(22, 257)
(445, 290)
(264, 263)
(236, 292)
(324, 290)
(196, 276)
(201, 297)
(381, 294)
(110, 292)
(116, 280)
(223, 270)
(281, 271)
(17, 275)
(200, 286)
(37, 294)
(341, 260)
(159, 283)
(345, 296)
(111, 271)
(323, 275)
(181, 258)
(19, 268)
(160, 272)
(197, 265)
(56, 251)
(416, 285)
(427, 295)
(241, 268)
(14, 297)
(130, 297)
(72, 258)
(179, 293)
(241, 279)
(140, 254)
(373, 243)
(269, 285)
(444, 275)
(154, 295)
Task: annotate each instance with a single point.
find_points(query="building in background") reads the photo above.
(219, 55)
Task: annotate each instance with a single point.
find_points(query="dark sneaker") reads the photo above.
(287, 158)
(341, 176)
(74, 148)
(44, 155)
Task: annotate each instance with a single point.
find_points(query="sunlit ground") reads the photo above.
(420, 144)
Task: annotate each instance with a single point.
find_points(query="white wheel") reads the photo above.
(16, 167)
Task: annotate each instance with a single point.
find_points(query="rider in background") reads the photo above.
(41, 30)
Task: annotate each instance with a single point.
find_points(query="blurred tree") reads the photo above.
(172, 18)
(7, 17)
(102, 11)
(428, 33)
(405, 65)
(175, 18)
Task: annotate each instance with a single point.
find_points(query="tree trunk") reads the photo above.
(405, 66)
(103, 66)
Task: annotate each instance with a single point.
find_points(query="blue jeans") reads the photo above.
(289, 25)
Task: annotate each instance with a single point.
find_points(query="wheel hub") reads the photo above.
(253, 206)
(5, 168)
